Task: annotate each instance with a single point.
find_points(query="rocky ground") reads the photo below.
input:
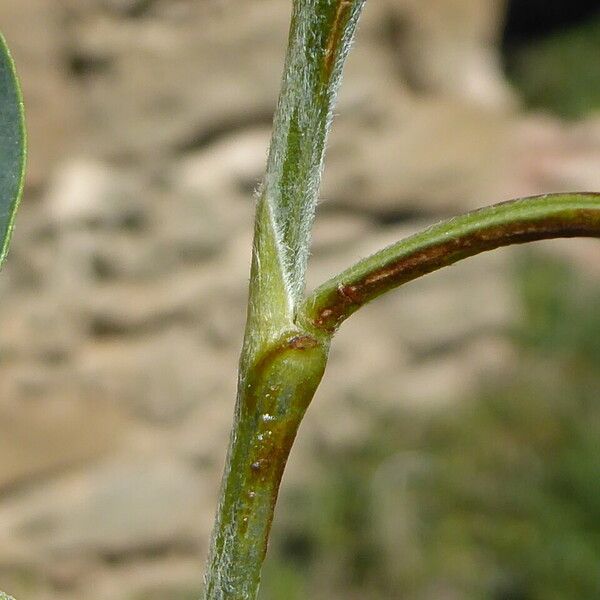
(123, 298)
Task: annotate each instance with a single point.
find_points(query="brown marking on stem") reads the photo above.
(348, 297)
(269, 464)
(302, 342)
(350, 292)
(274, 435)
(271, 408)
(334, 37)
(296, 342)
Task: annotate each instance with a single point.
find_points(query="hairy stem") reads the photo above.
(281, 366)
(515, 222)
(320, 36)
(286, 341)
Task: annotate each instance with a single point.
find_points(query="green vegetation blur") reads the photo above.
(499, 499)
(561, 72)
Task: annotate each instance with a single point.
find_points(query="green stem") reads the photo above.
(280, 366)
(514, 222)
(320, 36)
(286, 341)
(272, 399)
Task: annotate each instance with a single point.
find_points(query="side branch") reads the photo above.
(514, 222)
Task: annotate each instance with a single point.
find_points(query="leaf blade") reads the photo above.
(12, 147)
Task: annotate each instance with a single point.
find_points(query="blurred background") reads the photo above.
(453, 450)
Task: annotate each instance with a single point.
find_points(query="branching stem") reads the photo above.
(514, 222)
(287, 339)
(281, 365)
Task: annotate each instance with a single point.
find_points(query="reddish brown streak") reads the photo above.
(302, 342)
(269, 462)
(349, 297)
(333, 41)
(266, 460)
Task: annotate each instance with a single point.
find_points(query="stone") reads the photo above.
(450, 47)
(52, 431)
(239, 52)
(54, 115)
(189, 374)
(117, 507)
(127, 7)
(439, 156)
(89, 193)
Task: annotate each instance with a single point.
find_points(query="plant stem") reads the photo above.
(321, 33)
(514, 222)
(272, 399)
(280, 366)
(287, 341)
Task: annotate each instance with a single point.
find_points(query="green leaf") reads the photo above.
(12, 147)
(515, 222)
(3, 596)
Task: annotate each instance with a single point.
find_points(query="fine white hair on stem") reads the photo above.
(320, 38)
